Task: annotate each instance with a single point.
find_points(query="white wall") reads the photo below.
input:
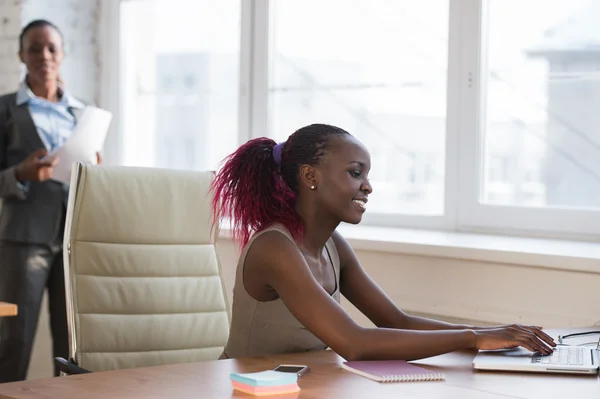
(477, 291)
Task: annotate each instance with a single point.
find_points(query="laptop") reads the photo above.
(564, 359)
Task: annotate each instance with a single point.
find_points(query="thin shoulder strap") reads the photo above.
(333, 252)
(276, 227)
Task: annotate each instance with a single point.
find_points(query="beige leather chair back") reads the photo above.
(143, 279)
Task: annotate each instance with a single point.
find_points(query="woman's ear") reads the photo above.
(308, 177)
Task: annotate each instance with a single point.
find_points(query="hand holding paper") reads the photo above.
(35, 169)
(84, 144)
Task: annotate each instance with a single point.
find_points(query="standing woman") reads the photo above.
(34, 121)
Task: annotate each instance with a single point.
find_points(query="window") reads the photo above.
(167, 83)
(530, 122)
(540, 96)
(478, 117)
(189, 82)
(180, 63)
(359, 67)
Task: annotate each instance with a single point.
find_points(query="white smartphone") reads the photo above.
(293, 368)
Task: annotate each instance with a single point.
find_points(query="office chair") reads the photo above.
(142, 276)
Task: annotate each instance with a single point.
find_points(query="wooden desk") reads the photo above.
(8, 309)
(326, 380)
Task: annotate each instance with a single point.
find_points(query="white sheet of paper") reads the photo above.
(87, 139)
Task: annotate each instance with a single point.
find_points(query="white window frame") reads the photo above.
(110, 91)
(472, 214)
(254, 69)
(464, 120)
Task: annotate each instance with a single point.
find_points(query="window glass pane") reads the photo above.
(542, 125)
(378, 69)
(181, 78)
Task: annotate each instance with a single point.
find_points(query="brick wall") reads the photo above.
(78, 21)
(10, 25)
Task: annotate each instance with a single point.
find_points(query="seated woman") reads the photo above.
(285, 202)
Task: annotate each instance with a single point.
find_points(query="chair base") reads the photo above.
(69, 367)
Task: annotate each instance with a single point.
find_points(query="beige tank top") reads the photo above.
(268, 328)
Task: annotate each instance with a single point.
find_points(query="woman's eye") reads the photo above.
(354, 173)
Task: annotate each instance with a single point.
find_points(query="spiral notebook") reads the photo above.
(392, 371)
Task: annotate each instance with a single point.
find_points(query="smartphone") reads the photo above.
(293, 368)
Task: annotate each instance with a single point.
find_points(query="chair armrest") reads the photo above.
(69, 367)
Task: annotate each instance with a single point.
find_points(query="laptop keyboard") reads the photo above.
(562, 356)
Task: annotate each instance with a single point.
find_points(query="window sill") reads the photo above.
(532, 252)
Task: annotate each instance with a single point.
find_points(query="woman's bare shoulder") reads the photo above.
(272, 245)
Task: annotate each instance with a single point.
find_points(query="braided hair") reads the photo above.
(258, 183)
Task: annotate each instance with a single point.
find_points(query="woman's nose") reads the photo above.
(46, 54)
(367, 188)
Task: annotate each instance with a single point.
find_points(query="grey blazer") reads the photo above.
(36, 216)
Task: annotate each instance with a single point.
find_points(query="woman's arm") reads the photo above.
(9, 185)
(365, 294)
(280, 263)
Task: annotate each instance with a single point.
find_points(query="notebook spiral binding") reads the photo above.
(414, 377)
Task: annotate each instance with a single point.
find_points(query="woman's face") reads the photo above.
(42, 53)
(343, 183)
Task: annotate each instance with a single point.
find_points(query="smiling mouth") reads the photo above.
(361, 204)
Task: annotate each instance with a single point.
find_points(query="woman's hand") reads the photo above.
(511, 336)
(35, 167)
